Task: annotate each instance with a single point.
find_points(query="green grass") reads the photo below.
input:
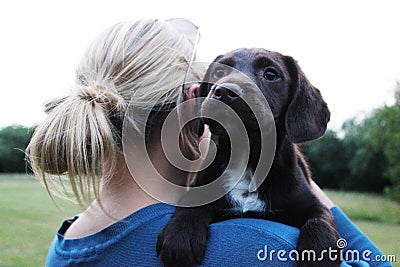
(367, 207)
(29, 219)
(375, 215)
(385, 236)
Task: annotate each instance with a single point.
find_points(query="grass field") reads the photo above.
(375, 215)
(28, 220)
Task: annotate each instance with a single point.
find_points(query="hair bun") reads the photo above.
(104, 94)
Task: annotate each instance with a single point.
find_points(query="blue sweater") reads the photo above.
(236, 242)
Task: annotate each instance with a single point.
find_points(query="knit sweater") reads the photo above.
(235, 242)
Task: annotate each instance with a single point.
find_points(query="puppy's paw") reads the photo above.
(317, 244)
(182, 243)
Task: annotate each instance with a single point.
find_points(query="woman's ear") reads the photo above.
(193, 91)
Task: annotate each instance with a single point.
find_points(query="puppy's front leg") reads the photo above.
(182, 242)
(317, 244)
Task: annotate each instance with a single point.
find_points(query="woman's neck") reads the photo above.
(121, 196)
(118, 198)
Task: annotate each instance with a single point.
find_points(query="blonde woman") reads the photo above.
(79, 151)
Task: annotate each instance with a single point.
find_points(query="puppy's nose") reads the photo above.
(227, 92)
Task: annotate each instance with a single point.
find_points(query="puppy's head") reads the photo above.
(243, 79)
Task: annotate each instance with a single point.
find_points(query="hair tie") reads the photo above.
(104, 94)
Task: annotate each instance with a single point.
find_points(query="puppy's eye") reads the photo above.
(271, 74)
(219, 72)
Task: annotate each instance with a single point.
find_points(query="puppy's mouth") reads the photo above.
(217, 116)
(227, 105)
(224, 119)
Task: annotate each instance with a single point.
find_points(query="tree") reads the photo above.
(365, 162)
(13, 142)
(385, 137)
(327, 159)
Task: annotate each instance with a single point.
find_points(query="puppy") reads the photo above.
(242, 80)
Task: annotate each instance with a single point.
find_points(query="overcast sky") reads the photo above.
(350, 50)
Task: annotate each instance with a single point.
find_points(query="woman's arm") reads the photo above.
(322, 196)
(357, 246)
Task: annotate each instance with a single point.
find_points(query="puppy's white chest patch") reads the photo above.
(241, 199)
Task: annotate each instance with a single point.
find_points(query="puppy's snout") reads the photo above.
(227, 92)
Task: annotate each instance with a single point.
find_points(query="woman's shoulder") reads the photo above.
(257, 232)
(232, 242)
(250, 242)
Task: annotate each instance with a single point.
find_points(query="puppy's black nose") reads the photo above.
(227, 92)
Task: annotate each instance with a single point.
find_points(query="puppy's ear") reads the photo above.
(307, 115)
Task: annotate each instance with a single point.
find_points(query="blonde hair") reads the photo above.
(139, 63)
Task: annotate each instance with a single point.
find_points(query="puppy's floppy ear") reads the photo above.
(307, 114)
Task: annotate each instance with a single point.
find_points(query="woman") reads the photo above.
(142, 65)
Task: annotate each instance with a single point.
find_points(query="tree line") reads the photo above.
(363, 156)
(13, 141)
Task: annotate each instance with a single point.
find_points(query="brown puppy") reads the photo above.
(299, 114)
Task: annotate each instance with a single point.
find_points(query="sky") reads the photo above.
(348, 49)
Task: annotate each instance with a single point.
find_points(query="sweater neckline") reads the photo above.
(110, 234)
